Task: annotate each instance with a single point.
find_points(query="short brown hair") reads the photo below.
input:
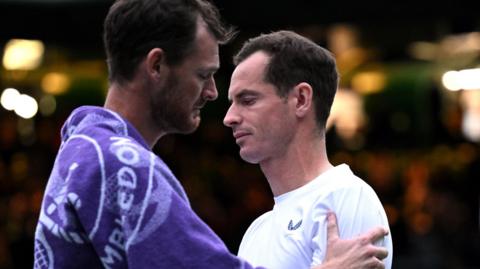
(133, 27)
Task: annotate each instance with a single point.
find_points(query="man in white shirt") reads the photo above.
(281, 92)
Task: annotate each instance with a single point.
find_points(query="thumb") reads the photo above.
(332, 227)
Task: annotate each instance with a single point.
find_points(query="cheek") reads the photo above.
(194, 89)
(267, 129)
(277, 128)
(187, 92)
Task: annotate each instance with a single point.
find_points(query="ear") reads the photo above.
(303, 94)
(155, 61)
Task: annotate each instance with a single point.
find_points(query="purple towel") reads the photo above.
(110, 202)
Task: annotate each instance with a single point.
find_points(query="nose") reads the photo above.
(231, 118)
(210, 92)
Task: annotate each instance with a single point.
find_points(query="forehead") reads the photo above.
(250, 73)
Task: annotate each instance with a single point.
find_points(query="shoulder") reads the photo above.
(93, 161)
(104, 146)
(341, 182)
(258, 223)
(254, 233)
(343, 193)
(261, 219)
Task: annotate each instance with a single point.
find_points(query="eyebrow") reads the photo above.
(242, 93)
(212, 69)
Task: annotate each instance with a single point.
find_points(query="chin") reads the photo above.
(190, 129)
(195, 124)
(249, 158)
(189, 126)
(186, 128)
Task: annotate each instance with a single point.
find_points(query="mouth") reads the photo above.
(197, 110)
(199, 106)
(238, 135)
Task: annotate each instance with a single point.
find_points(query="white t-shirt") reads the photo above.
(294, 233)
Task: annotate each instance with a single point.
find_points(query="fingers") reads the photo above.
(380, 252)
(376, 264)
(332, 227)
(376, 234)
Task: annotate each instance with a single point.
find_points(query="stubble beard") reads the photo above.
(168, 111)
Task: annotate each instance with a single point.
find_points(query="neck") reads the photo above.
(301, 163)
(126, 99)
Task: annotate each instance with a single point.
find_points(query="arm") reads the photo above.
(135, 217)
(356, 253)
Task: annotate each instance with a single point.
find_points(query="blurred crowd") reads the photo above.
(403, 135)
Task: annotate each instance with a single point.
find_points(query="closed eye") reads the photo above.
(247, 97)
(204, 76)
(248, 101)
(206, 73)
